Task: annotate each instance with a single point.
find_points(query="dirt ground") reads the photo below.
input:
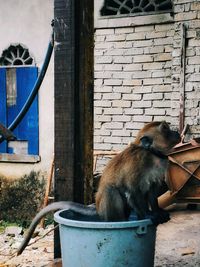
(177, 244)
(178, 241)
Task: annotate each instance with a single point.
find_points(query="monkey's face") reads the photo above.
(158, 135)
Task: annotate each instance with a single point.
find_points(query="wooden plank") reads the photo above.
(73, 102)
(47, 191)
(106, 152)
(182, 78)
(64, 105)
(103, 153)
(64, 99)
(84, 101)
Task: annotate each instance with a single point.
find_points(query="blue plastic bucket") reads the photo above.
(105, 244)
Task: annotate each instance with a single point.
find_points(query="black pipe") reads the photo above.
(34, 91)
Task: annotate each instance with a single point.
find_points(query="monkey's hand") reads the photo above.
(160, 216)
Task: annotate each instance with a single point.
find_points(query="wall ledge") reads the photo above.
(19, 158)
(131, 20)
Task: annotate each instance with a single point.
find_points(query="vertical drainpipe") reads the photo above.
(182, 78)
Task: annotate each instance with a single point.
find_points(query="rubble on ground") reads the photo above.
(177, 244)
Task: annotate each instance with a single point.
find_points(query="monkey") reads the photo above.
(130, 181)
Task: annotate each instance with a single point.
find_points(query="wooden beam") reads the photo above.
(64, 51)
(182, 78)
(73, 102)
(84, 43)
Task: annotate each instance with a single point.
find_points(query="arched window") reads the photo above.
(16, 55)
(119, 7)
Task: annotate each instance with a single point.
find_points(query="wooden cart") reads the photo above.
(183, 176)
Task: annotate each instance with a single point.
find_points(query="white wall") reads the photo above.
(29, 23)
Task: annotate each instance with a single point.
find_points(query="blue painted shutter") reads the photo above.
(3, 120)
(28, 129)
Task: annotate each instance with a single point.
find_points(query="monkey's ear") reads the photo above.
(146, 141)
(164, 126)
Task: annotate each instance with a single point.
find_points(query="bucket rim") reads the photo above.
(100, 225)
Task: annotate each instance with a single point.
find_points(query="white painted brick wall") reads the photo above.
(137, 76)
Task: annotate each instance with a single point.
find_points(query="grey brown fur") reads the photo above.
(132, 178)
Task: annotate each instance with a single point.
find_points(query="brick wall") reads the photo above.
(138, 68)
(187, 12)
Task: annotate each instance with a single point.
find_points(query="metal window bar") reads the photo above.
(127, 6)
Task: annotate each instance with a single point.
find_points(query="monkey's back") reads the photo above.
(132, 168)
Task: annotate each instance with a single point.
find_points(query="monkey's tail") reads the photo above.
(77, 207)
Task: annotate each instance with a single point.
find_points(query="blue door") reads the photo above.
(28, 129)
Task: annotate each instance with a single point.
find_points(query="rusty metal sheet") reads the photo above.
(184, 166)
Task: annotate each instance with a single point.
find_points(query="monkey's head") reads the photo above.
(158, 135)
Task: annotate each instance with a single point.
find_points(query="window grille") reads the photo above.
(120, 7)
(16, 55)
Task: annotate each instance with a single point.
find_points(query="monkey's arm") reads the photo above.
(80, 208)
(159, 215)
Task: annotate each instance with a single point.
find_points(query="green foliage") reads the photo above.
(4, 224)
(21, 199)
